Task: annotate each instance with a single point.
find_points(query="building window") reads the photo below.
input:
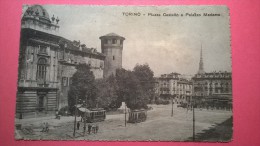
(101, 64)
(43, 49)
(70, 80)
(89, 62)
(41, 69)
(41, 103)
(64, 81)
(121, 42)
(113, 57)
(61, 55)
(226, 89)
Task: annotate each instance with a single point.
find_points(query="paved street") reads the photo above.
(158, 126)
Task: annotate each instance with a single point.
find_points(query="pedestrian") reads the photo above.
(84, 128)
(47, 127)
(97, 128)
(94, 129)
(78, 125)
(43, 127)
(89, 128)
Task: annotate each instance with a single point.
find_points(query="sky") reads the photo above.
(167, 43)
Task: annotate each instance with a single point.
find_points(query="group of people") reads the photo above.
(45, 127)
(91, 128)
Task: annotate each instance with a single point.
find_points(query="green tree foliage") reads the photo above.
(83, 87)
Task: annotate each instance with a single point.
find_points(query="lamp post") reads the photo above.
(193, 121)
(125, 114)
(172, 106)
(193, 112)
(85, 118)
(74, 132)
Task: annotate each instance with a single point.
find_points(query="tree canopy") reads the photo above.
(106, 95)
(83, 88)
(146, 77)
(136, 88)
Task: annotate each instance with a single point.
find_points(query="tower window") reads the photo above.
(114, 41)
(106, 41)
(113, 57)
(121, 42)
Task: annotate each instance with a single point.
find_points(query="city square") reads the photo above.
(158, 126)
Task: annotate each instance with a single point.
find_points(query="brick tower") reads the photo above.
(112, 47)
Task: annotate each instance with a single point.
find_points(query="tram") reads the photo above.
(137, 116)
(93, 115)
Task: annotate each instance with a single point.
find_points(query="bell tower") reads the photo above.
(112, 47)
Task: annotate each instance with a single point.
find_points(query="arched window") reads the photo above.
(41, 69)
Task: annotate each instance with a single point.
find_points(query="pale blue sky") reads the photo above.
(167, 44)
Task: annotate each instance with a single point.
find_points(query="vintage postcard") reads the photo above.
(124, 73)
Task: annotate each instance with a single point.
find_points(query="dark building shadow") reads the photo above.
(222, 132)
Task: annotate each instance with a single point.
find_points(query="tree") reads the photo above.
(129, 89)
(83, 87)
(106, 95)
(146, 78)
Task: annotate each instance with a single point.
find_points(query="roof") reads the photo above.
(82, 109)
(37, 10)
(72, 46)
(112, 35)
(215, 75)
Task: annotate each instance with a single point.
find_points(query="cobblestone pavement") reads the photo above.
(158, 126)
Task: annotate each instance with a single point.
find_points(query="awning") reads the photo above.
(82, 109)
(79, 105)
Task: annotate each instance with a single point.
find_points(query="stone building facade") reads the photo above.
(214, 88)
(47, 62)
(175, 86)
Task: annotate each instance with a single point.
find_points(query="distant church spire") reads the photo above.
(201, 66)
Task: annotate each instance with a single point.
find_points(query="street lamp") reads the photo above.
(85, 118)
(74, 132)
(193, 121)
(193, 112)
(172, 107)
(125, 114)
